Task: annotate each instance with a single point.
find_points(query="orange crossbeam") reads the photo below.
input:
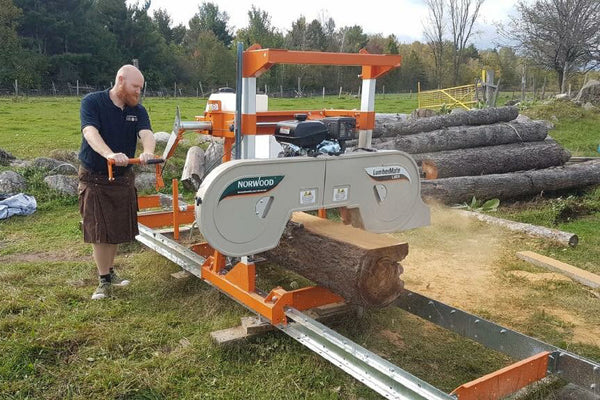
(165, 218)
(506, 380)
(256, 62)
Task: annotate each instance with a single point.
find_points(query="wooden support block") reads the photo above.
(253, 326)
(181, 274)
(582, 276)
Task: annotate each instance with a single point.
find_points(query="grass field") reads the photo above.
(152, 340)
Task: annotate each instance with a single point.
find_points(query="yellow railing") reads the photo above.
(464, 96)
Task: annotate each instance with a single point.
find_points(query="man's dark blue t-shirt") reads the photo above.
(119, 129)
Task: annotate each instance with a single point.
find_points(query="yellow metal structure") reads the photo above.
(464, 96)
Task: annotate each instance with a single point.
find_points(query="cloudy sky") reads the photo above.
(403, 18)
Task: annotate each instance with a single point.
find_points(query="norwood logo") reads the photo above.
(388, 173)
(258, 184)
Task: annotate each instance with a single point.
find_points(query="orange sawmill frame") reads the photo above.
(239, 281)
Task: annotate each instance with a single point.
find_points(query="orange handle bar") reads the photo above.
(111, 162)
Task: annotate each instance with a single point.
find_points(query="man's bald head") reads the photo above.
(128, 84)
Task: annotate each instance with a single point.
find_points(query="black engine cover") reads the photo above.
(305, 134)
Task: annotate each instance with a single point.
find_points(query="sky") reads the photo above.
(402, 18)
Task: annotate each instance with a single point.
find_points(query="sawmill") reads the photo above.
(280, 173)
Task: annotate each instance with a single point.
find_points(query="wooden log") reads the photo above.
(492, 159)
(510, 185)
(193, 169)
(360, 266)
(485, 116)
(561, 237)
(467, 136)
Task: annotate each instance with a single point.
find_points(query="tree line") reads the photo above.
(60, 42)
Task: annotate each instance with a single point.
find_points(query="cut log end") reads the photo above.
(429, 169)
(380, 283)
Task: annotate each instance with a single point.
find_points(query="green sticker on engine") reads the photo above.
(253, 185)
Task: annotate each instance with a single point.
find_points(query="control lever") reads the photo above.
(111, 162)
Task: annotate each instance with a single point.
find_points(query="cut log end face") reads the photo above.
(380, 283)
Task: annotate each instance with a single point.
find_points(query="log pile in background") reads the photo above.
(487, 153)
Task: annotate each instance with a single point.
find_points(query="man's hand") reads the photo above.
(121, 160)
(145, 157)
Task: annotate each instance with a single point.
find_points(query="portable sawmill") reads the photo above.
(255, 203)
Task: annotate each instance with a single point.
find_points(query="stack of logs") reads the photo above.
(487, 153)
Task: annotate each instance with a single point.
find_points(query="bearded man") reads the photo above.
(112, 121)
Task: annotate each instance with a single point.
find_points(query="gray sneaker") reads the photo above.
(116, 281)
(102, 291)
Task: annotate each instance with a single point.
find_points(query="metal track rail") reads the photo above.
(380, 375)
(571, 367)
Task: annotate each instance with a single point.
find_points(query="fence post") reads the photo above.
(323, 92)
(175, 90)
(281, 91)
(489, 87)
(340, 95)
(383, 90)
(266, 88)
(523, 83)
(544, 89)
(77, 87)
(16, 87)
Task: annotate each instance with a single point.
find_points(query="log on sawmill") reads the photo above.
(515, 184)
(467, 136)
(193, 169)
(492, 159)
(386, 118)
(360, 266)
(484, 116)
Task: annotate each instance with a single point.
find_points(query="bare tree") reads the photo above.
(434, 34)
(463, 15)
(563, 35)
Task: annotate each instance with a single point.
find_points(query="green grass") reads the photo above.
(152, 340)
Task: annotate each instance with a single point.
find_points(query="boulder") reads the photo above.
(46, 163)
(62, 183)
(5, 157)
(589, 93)
(161, 137)
(64, 169)
(12, 182)
(145, 181)
(69, 156)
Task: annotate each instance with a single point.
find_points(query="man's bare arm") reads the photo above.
(91, 134)
(148, 145)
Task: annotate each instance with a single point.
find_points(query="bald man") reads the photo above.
(112, 122)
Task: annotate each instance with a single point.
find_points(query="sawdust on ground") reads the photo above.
(458, 261)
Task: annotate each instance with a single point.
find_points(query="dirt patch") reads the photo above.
(460, 262)
(43, 257)
(394, 338)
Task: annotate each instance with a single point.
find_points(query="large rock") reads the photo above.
(589, 93)
(5, 157)
(64, 169)
(161, 137)
(68, 156)
(62, 183)
(46, 163)
(12, 183)
(145, 181)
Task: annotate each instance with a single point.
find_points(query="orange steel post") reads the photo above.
(506, 380)
(174, 182)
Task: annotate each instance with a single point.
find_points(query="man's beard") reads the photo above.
(131, 100)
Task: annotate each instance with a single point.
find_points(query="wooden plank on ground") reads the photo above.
(580, 275)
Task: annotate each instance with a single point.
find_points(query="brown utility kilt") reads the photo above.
(109, 209)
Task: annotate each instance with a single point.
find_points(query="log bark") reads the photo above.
(485, 116)
(467, 136)
(193, 169)
(511, 185)
(492, 159)
(360, 266)
(562, 237)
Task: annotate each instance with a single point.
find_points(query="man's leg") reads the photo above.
(104, 256)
